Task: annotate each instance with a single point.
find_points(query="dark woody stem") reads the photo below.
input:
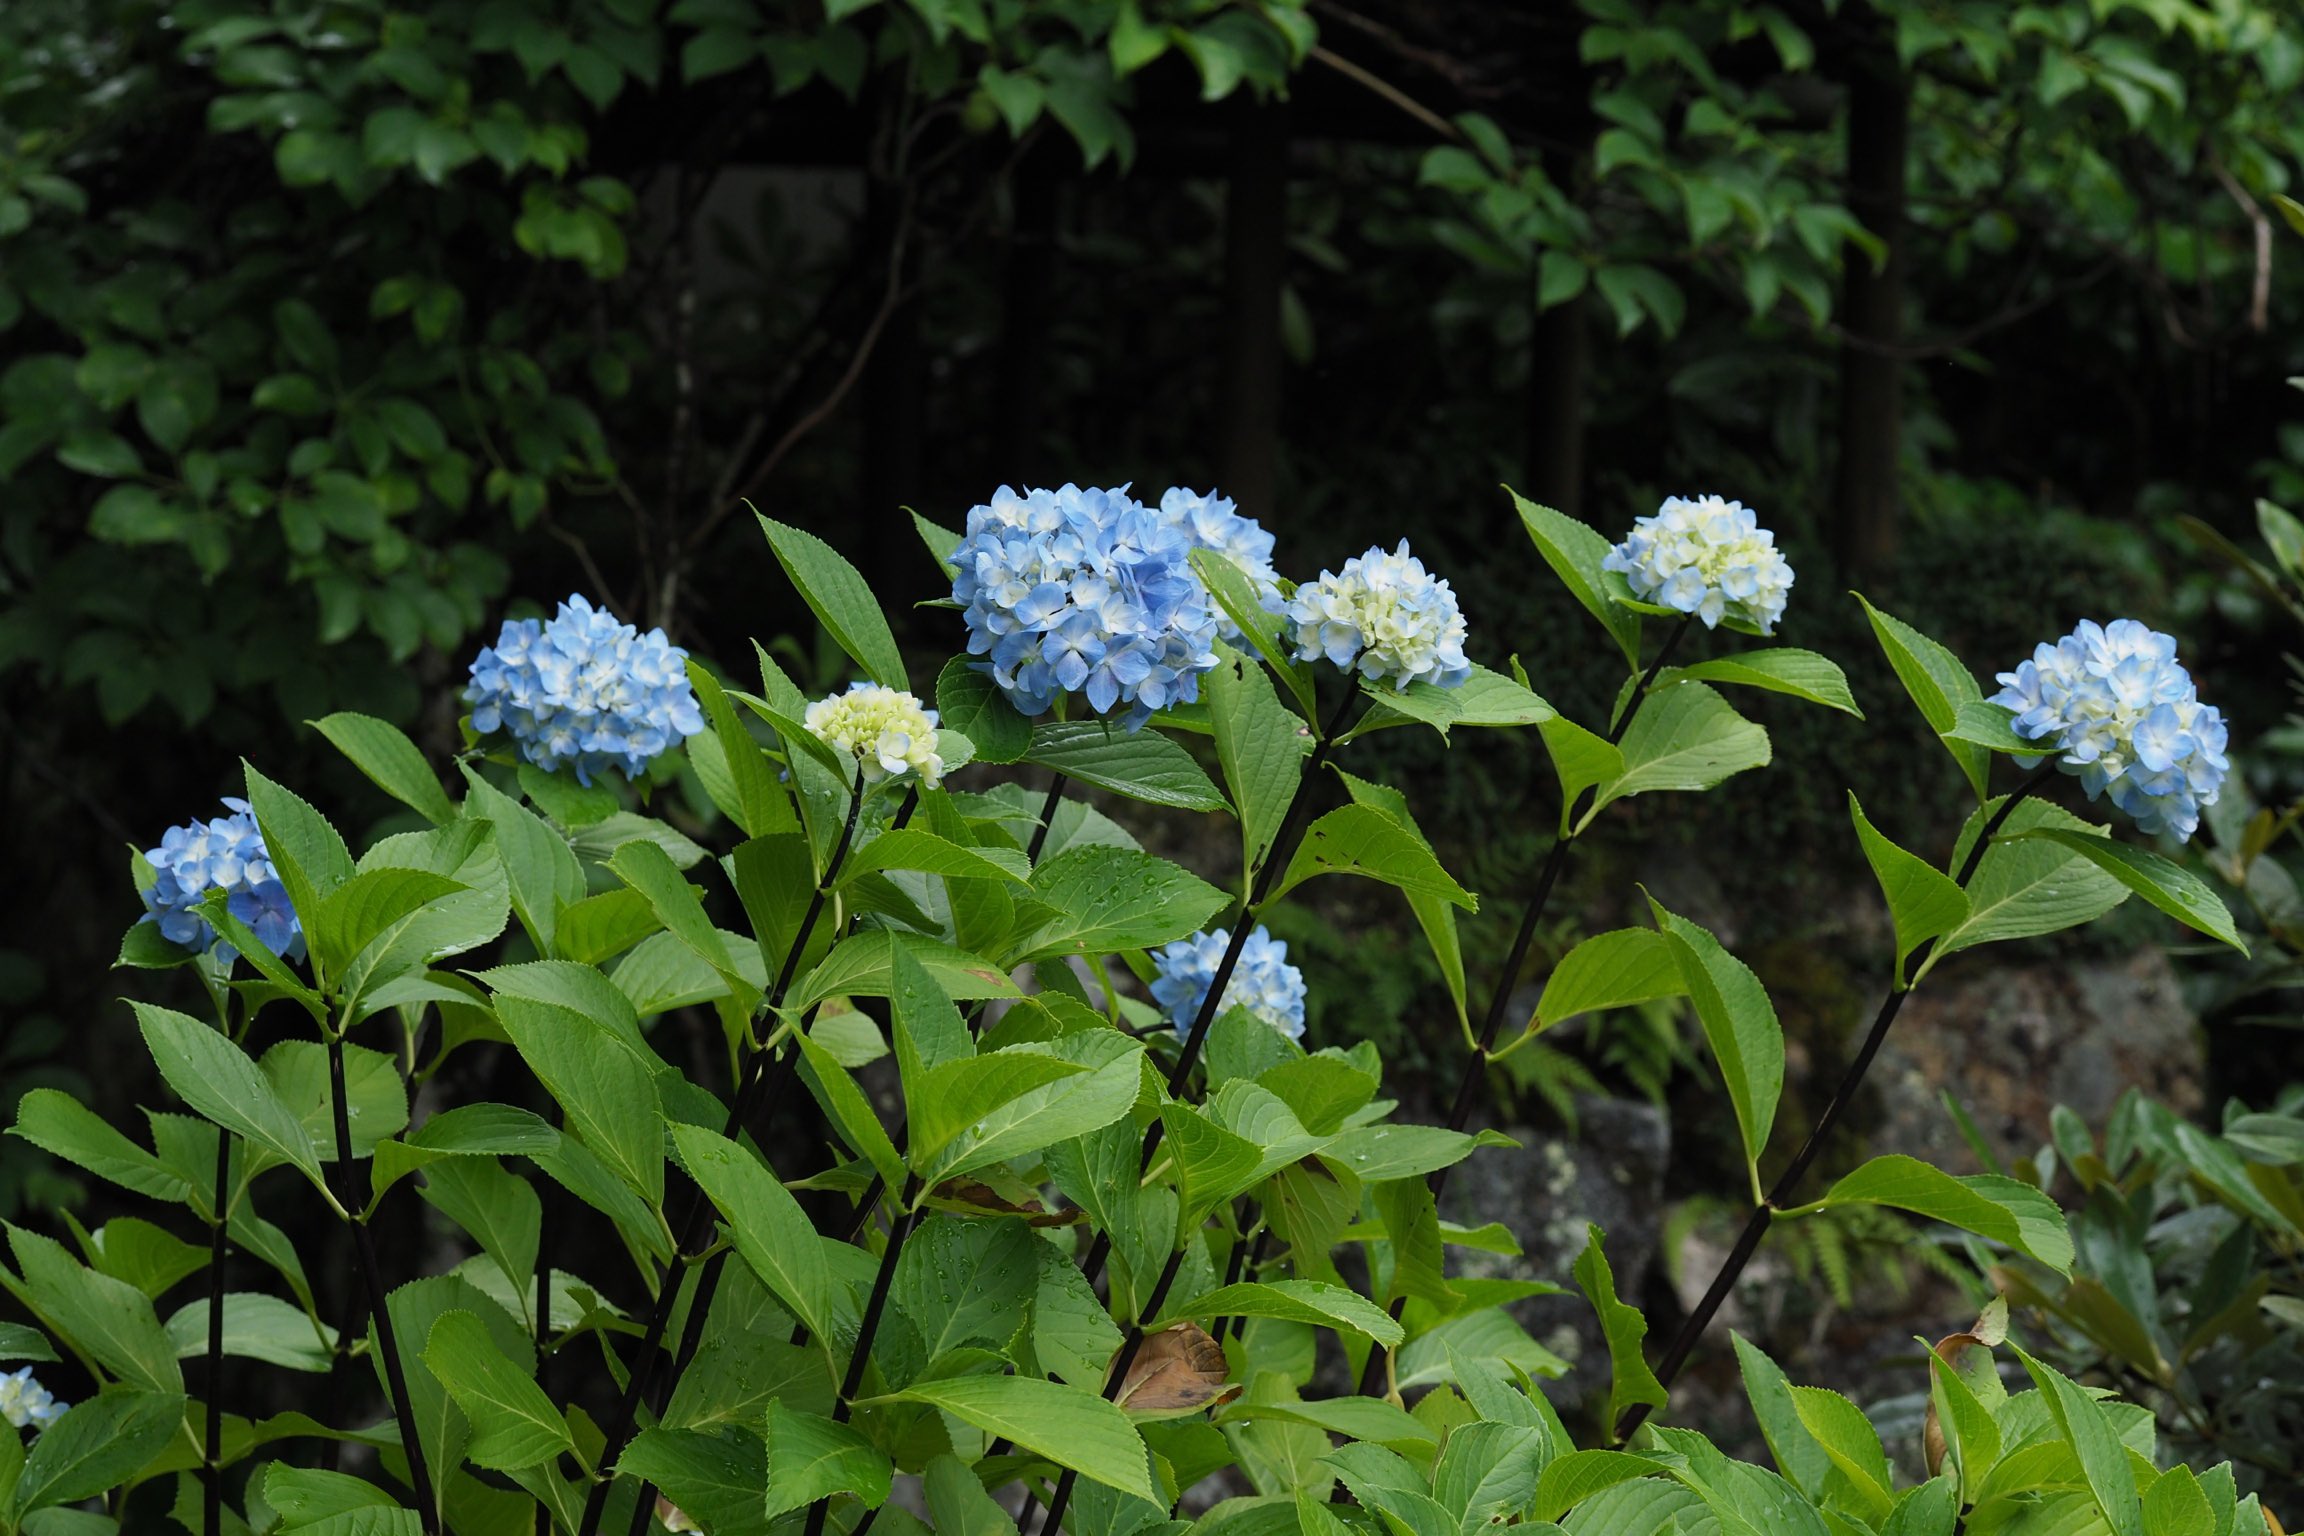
(1129, 1348)
(212, 1455)
(1788, 1183)
(860, 1354)
(372, 1279)
(695, 1227)
(1234, 1269)
(543, 1329)
(1276, 860)
(1499, 1000)
(1047, 818)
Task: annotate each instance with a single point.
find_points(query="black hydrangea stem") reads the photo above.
(1247, 1258)
(544, 1301)
(780, 1075)
(1047, 818)
(860, 1354)
(212, 1455)
(372, 1279)
(1130, 1347)
(694, 1230)
(1275, 860)
(1500, 998)
(543, 1335)
(1787, 1185)
(1190, 1055)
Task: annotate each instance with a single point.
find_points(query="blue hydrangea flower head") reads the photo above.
(885, 729)
(1085, 592)
(25, 1403)
(2121, 715)
(225, 854)
(1215, 525)
(1707, 557)
(1385, 616)
(1263, 982)
(584, 692)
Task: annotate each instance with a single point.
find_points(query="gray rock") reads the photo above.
(1611, 1174)
(2014, 1041)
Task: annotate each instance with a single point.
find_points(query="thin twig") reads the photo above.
(2260, 291)
(2009, 313)
(891, 297)
(1390, 92)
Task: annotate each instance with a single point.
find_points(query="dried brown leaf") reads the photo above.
(1179, 1370)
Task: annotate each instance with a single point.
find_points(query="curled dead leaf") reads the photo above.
(673, 1517)
(2273, 1525)
(1990, 1328)
(968, 1197)
(1179, 1370)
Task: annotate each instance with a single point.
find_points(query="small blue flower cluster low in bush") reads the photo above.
(225, 853)
(2124, 718)
(1263, 982)
(1385, 616)
(584, 691)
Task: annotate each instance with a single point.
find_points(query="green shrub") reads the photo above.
(921, 1300)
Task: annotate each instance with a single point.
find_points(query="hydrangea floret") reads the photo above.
(584, 692)
(1385, 616)
(1084, 591)
(225, 853)
(1216, 525)
(25, 1403)
(1263, 982)
(2122, 715)
(1708, 557)
(887, 730)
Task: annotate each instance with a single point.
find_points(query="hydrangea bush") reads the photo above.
(1081, 1214)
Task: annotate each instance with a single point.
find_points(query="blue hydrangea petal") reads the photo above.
(1088, 592)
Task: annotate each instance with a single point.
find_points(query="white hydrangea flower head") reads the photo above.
(2123, 717)
(886, 729)
(25, 1403)
(1708, 557)
(1385, 616)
